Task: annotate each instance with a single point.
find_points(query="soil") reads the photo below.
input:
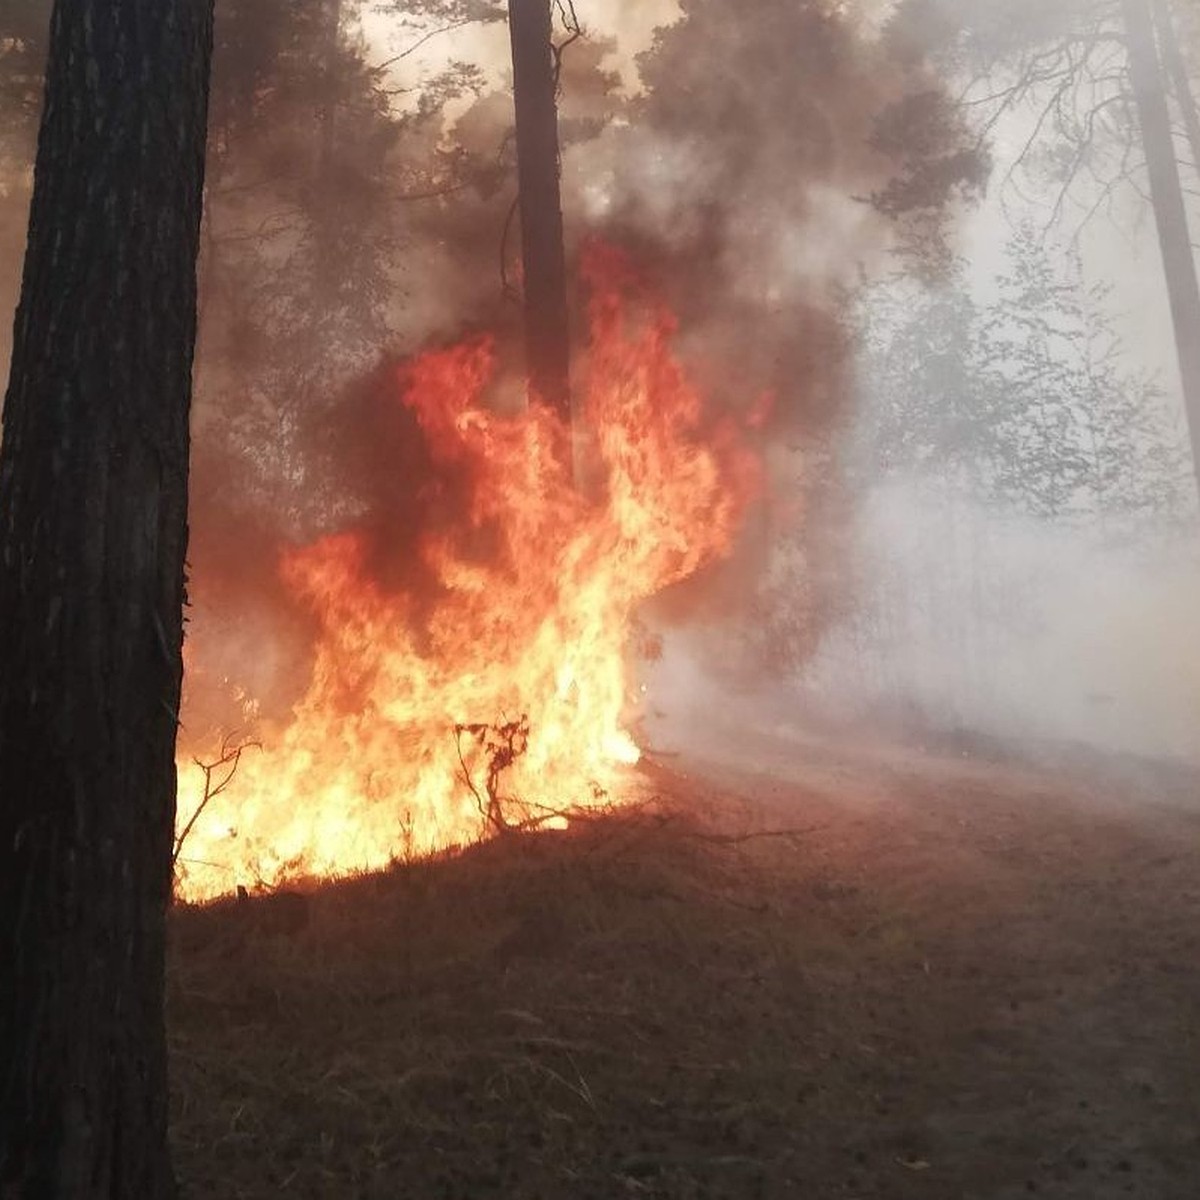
(836, 970)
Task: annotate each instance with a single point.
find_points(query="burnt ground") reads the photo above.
(880, 973)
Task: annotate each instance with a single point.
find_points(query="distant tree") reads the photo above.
(1179, 73)
(317, 161)
(930, 410)
(1026, 401)
(1149, 83)
(302, 225)
(1031, 348)
(93, 526)
(1093, 79)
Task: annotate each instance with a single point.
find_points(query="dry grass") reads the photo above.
(557, 1015)
(655, 1004)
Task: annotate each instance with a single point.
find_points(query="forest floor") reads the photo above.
(843, 971)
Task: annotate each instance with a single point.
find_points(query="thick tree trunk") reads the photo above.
(1170, 214)
(93, 495)
(547, 334)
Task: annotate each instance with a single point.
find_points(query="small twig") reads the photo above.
(570, 21)
(230, 757)
(459, 730)
(503, 745)
(453, 25)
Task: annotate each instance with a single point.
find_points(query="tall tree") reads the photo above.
(1147, 78)
(535, 79)
(93, 507)
(1177, 69)
(1092, 78)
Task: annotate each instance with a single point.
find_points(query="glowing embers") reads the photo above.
(494, 693)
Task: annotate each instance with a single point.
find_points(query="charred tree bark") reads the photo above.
(1170, 213)
(547, 333)
(93, 529)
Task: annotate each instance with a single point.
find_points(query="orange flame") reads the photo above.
(387, 754)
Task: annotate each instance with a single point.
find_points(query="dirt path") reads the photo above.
(1018, 980)
(952, 978)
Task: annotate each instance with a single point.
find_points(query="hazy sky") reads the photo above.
(630, 23)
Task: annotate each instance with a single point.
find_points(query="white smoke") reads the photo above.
(969, 621)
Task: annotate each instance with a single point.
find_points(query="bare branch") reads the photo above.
(228, 760)
(449, 28)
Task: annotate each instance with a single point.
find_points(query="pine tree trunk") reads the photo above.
(1177, 71)
(547, 334)
(93, 495)
(1170, 214)
(328, 220)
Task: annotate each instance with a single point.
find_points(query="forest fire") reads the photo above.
(496, 695)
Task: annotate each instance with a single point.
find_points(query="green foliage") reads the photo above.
(1026, 400)
(314, 150)
(929, 408)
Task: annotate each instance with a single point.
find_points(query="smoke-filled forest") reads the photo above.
(598, 599)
